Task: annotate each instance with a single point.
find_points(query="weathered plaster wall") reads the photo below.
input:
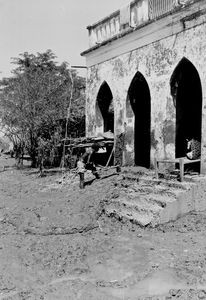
(156, 62)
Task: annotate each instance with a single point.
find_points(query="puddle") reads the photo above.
(117, 261)
(158, 283)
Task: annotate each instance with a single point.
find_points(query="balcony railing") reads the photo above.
(104, 29)
(158, 8)
(135, 14)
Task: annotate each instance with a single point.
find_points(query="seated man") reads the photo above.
(81, 169)
(193, 149)
(89, 158)
(87, 162)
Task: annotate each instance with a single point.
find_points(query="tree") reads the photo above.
(36, 97)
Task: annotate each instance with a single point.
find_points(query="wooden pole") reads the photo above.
(156, 168)
(181, 162)
(81, 180)
(110, 157)
(68, 117)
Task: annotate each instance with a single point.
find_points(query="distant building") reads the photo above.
(146, 79)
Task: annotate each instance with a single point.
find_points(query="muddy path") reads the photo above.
(56, 243)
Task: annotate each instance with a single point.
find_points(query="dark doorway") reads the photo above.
(139, 97)
(106, 107)
(187, 96)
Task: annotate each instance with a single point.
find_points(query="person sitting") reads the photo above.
(89, 158)
(81, 170)
(193, 149)
(87, 162)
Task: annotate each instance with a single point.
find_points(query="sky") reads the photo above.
(60, 25)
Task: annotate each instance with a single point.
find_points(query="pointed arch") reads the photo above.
(139, 99)
(186, 90)
(105, 107)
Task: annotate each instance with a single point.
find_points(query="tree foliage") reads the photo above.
(37, 99)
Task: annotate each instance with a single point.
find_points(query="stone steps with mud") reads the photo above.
(145, 200)
(151, 180)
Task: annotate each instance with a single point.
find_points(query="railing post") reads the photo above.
(156, 168)
(181, 162)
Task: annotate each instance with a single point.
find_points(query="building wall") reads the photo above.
(156, 62)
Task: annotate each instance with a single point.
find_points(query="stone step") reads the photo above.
(147, 189)
(142, 208)
(168, 183)
(161, 200)
(136, 217)
(146, 200)
(140, 204)
(152, 209)
(152, 199)
(136, 174)
(151, 181)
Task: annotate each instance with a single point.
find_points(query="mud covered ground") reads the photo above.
(56, 243)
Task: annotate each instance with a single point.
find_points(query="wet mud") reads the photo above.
(56, 243)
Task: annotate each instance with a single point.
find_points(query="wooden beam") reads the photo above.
(110, 157)
(181, 162)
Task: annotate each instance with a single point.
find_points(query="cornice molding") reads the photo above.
(151, 32)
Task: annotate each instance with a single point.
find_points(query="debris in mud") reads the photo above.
(192, 222)
(58, 242)
(60, 231)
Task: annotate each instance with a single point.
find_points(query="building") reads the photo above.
(146, 79)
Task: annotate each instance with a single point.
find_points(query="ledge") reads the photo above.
(131, 29)
(147, 33)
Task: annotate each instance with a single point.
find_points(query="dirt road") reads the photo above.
(56, 243)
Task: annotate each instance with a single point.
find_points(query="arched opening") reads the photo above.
(105, 107)
(139, 98)
(186, 91)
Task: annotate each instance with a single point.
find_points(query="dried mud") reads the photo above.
(56, 243)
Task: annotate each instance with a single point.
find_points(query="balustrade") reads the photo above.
(140, 12)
